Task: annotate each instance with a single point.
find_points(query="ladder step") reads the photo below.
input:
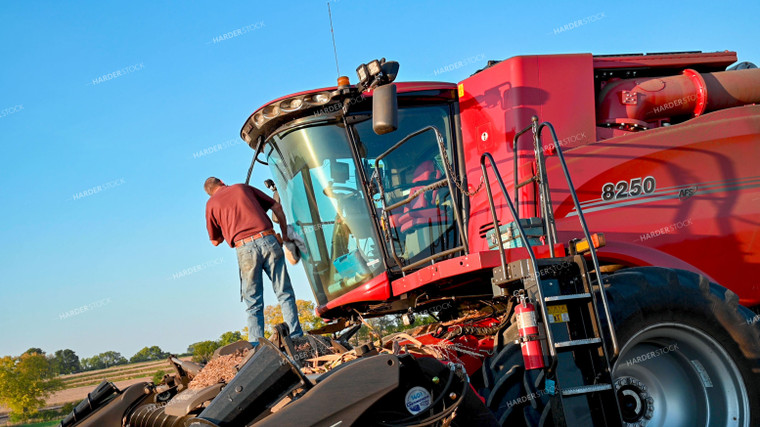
(568, 298)
(586, 389)
(569, 345)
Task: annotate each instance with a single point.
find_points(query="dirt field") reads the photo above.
(79, 393)
(144, 371)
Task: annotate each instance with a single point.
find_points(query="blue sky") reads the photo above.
(102, 200)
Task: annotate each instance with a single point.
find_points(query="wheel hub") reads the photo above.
(636, 405)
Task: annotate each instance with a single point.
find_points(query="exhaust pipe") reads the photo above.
(639, 101)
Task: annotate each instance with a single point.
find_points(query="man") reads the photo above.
(237, 214)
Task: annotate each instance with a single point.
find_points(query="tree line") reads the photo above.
(203, 351)
(28, 380)
(66, 361)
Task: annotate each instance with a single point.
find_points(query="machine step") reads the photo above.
(586, 389)
(572, 344)
(560, 299)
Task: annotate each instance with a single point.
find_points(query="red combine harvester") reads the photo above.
(593, 267)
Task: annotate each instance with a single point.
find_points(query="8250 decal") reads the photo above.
(624, 189)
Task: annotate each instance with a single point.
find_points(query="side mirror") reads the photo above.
(384, 109)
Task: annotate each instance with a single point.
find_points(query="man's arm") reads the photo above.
(280, 215)
(214, 232)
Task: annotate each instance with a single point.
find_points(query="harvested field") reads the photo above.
(223, 368)
(76, 386)
(115, 373)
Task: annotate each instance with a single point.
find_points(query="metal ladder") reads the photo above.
(578, 377)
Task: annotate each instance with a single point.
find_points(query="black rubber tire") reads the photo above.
(639, 298)
(512, 393)
(647, 297)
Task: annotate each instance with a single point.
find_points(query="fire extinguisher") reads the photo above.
(527, 327)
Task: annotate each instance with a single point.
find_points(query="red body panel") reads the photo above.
(701, 210)
(500, 101)
(377, 289)
(704, 211)
(704, 214)
(460, 266)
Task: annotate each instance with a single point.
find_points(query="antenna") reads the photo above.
(335, 50)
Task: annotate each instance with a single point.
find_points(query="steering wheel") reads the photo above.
(340, 192)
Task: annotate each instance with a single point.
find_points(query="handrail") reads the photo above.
(410, 197)
(502, 252)
(540, 178)
(515, 159)
(544, 193)
(259, 149)
(432, 257)
(586, 232)
(386, 208)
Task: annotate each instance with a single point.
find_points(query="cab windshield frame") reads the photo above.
(354, 130)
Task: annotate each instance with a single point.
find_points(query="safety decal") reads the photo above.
(558, 314)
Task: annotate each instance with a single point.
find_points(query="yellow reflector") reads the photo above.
(598, 240)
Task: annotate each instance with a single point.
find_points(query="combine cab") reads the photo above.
(568, 220)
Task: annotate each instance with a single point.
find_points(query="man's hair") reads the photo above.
(211, 183)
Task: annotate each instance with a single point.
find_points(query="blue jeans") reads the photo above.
(265, 254)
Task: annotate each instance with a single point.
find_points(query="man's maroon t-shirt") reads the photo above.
(236, 212)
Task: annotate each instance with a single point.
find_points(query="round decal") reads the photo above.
(417, 400)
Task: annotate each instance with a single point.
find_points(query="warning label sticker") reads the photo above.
(558, 314)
